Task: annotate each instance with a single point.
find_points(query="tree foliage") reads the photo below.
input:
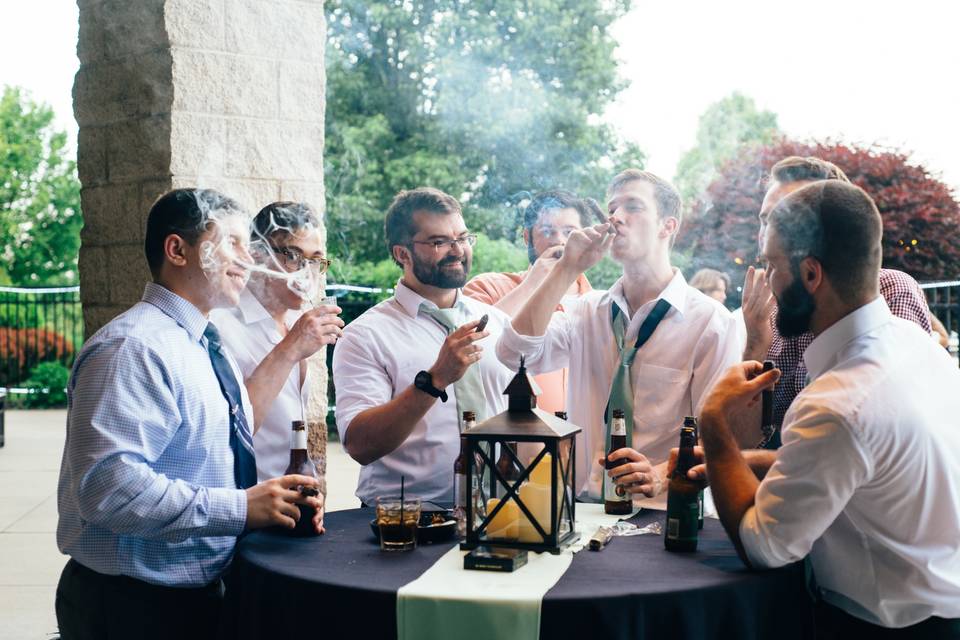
(39, 196)
(482, 99)
(725, 128)
(920, 213)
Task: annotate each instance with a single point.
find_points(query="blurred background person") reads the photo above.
(548, 221)
(713, 283)
(270, 334)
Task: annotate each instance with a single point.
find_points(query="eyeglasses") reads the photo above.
(463, 242)
(293, 260)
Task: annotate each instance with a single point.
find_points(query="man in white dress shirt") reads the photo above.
(270, 335)
(403, 377)
(670, 374)
(868, 477)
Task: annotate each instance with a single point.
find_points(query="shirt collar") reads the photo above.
(410, 300)
(675, 293)
(182, 311)
(251, 310)
(824, 352)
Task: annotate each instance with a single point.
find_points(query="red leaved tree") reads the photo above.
(921, 217)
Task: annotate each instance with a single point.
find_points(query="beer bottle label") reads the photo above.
(610, 490)
(298, 439)
(460, 489)
(683, 512)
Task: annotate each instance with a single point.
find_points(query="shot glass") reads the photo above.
(398, 526)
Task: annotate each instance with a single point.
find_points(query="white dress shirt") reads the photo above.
(695, 341)
(377, 358)
(250, 334)
(868, 478)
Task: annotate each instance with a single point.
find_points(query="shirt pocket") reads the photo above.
(662, 394)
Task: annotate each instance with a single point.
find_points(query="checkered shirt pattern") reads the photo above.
(146, 484)
(905, 299)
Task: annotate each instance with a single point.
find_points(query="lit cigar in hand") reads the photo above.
(483, 323)
(597, 213)
(766, 420)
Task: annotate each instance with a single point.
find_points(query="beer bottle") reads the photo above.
(460, 493)
(615, 499)
(301, 464)
(505, 463)
(682, 502)
(691, 421)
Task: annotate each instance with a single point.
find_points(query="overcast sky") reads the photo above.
(879, 71)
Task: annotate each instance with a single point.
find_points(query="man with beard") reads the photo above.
(765, 339)
(408, 368)
(867, 479)
(651, 345)
(548, 221)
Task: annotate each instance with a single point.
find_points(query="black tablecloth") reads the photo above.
(340, 585)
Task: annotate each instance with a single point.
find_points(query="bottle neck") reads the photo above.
(618, 427)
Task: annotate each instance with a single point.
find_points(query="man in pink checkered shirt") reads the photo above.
(764, 342)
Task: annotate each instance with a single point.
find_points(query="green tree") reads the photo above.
(725, 128)
(39, 196)
(482, 99)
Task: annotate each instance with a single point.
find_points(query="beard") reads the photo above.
(795, 307)
(435, 275)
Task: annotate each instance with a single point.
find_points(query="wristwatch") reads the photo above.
(424, 382)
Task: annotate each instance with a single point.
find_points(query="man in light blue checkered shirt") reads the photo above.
(148, 499)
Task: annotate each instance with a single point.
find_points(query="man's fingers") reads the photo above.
(698, 472)
(295, 480)
(764, 380)
(629, 454)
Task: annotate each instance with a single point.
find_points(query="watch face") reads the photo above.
(422, 379)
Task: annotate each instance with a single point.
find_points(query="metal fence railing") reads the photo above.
(943, 298)
(37, 325)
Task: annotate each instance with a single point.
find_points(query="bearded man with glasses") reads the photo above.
(408, 368)
(270, 334)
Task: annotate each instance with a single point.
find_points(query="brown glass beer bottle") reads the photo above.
(616, 500)
(301, 464)
(683, 499)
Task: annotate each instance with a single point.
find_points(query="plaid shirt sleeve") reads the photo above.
(905, 299)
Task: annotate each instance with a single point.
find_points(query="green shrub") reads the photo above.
(47, 384)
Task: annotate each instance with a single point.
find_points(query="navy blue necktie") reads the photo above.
(241, 440)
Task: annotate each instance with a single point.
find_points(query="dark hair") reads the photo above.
(183, 212)
(808, 169)
(398, 226)
(838, 224)
(669, 203)
(283, 217)
(558, 199)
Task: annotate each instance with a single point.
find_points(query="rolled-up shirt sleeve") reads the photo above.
(818, 468)
(112, 448)
(542, 354)
(362, 379)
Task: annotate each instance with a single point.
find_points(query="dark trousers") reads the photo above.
(834, 623)
(92, 605)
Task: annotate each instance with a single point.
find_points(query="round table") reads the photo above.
(340, 585)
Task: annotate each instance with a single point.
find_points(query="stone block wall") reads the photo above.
(226, 94)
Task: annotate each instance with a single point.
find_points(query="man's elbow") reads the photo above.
(356, 449)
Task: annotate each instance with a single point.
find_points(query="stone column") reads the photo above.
(227, 94)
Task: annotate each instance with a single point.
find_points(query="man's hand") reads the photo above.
(315, 328)
(585, 247)
(456, 355)
(736, 390)
(758, 305)
(697, 472)
(544, 264)
(274, 502)
(637, 475)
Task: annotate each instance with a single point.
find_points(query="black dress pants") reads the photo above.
(92, 605)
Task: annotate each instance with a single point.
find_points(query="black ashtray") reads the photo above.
(434, 526)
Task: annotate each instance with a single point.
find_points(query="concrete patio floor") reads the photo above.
(30, 563)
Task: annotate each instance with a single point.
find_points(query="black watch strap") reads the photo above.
(424, 382)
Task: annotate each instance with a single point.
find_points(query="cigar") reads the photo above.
(597, 212)
(308, 492)
(483, 323)
(601, 538)
(767, 398)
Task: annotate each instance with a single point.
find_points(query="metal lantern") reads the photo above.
(535, 509)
